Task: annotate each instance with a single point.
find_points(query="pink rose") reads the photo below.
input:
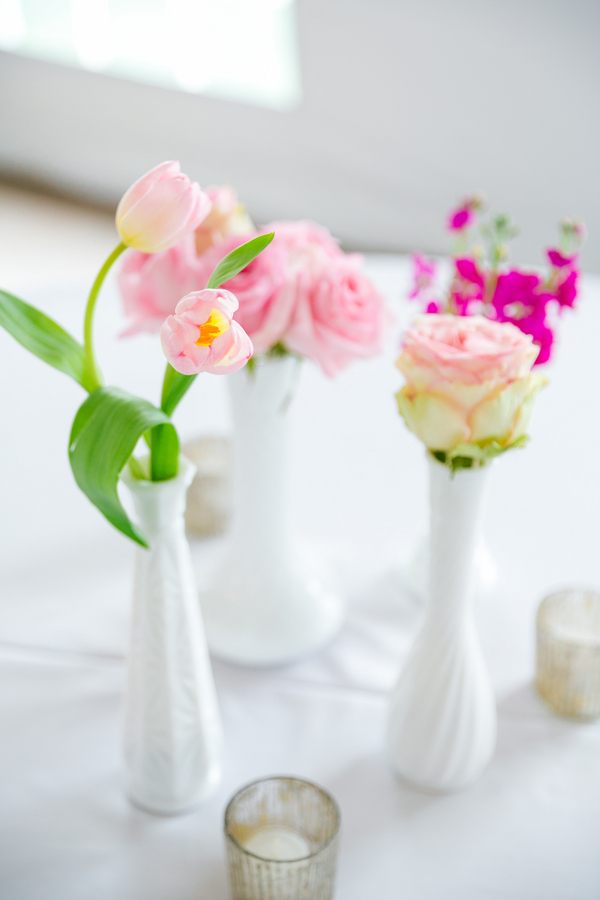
(226, 217)
(468, 381)
(262, 289)
(306, 242)
(468, 349)
(152, 285)
(202, 336)
(338, 314)
(160, 209)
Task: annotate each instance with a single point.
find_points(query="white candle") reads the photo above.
(277, 842)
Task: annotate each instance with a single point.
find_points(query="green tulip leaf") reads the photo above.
(238, 259)
(44, 338)
(105, 431)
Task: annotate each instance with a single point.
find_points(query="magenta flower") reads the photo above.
(518, 299)
(468, 286)
(566, 290)
(461, 218)
(423, 275)
(559, 261)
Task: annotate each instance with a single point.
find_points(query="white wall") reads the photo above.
(408, 104)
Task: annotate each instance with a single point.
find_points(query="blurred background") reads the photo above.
(372, 118)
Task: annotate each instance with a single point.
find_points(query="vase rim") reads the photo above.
(185, 475)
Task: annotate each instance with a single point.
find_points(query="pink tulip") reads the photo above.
(202, 336)
(160, 209)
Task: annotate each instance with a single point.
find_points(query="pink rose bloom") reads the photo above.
(226, 217)
(468, 381)
(152, 285)
(202, 336)
(306, 242)
(160, 209)
(267, 289)
(262, 289)
(338, 316)
(469, 350)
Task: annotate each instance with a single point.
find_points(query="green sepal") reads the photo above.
(45, 338)
(105, 431)
(469, 456)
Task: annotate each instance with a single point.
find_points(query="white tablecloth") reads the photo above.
(529, 829)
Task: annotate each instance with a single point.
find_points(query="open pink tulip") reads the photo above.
(202, 336)
(160, 209)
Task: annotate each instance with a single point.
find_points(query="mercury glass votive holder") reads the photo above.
(568, 653)
(282, 841)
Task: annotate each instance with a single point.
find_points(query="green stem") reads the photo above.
(88, 341)
(163, 440)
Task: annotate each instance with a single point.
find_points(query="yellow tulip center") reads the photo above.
(216, 325)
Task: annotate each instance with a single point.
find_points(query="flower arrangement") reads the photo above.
(469, 389)
(482, 284)
(161, 209)
(303, 295)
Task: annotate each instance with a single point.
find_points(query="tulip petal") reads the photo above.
(159, 218)
(163, 172)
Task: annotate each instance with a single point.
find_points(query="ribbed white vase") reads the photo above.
(172, 723)
(442, 717)
(264, 606)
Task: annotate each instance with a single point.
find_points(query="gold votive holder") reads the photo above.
(282, 841)
(568, 653)
(209, 499)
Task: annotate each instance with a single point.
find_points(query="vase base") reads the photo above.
(176, 808)
(437, 790)
(272, 624)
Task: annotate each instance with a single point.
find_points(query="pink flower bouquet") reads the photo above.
(482, 283)
(160, 210)
(303, 295)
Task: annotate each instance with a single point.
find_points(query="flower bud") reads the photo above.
(160, 209)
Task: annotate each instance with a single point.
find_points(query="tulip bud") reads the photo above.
(160, 209)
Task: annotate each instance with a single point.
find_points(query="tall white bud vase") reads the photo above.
(172, 723)
(442, 717)
(263, 606)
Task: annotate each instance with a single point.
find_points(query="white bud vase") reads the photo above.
(442, 718)
(172, 724)
(263, 606)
